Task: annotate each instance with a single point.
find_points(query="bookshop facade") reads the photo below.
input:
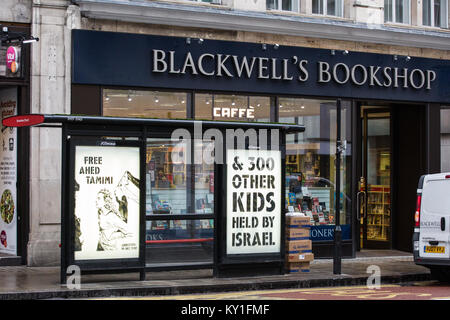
(390, 111)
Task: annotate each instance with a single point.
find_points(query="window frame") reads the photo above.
(339, 5)
(443, 13)
(294, 3)
(394, 13)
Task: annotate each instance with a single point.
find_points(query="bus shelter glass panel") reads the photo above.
(179, 241)
(177, 190)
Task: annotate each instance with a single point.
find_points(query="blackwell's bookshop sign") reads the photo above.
(253, 201)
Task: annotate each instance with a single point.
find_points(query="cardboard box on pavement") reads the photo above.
(298, 246)
(295, 267)
(293, 234)
(300, 257)
(297, 221)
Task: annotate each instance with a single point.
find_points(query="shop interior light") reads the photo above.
(333, 52)
(264, 46)
(302, 107)
(188, 40)
(408, 58)
(395, 57)
(156, 99)
(200, 41)
(345, 52)
(276, 46)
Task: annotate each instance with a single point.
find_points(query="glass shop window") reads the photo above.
(232, 108)
(310, 163)
(142, 103)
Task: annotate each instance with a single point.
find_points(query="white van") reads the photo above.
(431, 238)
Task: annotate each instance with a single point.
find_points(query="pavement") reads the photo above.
(22, 282)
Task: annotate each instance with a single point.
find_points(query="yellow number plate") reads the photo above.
(434, 249)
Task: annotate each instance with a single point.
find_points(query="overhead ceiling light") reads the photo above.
(156, 99)
(233, 103)
(303, 107)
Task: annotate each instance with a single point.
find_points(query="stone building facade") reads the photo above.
(353, 25)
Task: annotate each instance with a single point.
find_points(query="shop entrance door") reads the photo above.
(374, 196)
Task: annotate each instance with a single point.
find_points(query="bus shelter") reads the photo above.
(113, 179)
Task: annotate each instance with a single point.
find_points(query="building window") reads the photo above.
(435, 13)
(208, 1)
(445, 139)
(310, 163)
(328, 7)
(397, 11)
(282, 5)
(148, 104)
(232, 107)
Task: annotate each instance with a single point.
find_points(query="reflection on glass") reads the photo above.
(445, 139)
(310, 159)
(317, 6)
(165, 178)
(271, 4)
(204, 177)
(388, 10)
(437, 13)
(232, 108)
(378, 178)
(179, 241)
(148, 104)
(426, 13)
(331, 7)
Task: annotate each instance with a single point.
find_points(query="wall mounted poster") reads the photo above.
(253, 201)
(8, 174)
(107, 210)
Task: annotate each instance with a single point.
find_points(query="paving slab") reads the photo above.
(22, 282)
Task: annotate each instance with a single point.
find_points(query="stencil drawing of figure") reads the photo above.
(112, 228)
(78, 235)
(123, 207)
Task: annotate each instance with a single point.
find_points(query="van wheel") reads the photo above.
(442, 274)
